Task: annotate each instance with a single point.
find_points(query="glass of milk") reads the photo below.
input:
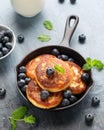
(28, 8)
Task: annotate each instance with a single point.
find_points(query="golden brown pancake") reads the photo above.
(76, 86)
(31, 66)
(59, 81)
(33, 94)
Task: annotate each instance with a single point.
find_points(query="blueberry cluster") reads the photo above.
(6, 37)
(63, 57)
(22, 79)
(68, 99)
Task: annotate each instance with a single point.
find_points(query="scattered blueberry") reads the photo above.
(67, 93)
(44, 94)
(89, 118)
(22, 69)
(8, 45)
(72, 1)
(21, 76)
(65, 102)
(20, 38)
(71, 59)
(73, 98)
(55, 52)
(82, 38)
(95, 101)
(2, 92)
(50, 71)
(21, 82)
(64, 57)
(1, 54)
(5, 50)
(85, 77)
(5, 39)
(27, 80)
(61, 1)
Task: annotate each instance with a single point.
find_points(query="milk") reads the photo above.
(28, 8)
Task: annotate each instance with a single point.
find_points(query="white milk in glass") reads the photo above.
(28, 8)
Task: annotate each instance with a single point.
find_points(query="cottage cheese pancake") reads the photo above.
(33, 94)
(76, 86)
(31, 66)
(59, 81)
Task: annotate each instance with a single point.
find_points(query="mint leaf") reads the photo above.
(48, 25)
(19, 113)
(30, 119)
(93, 63)
(44, 38)
(13, 123)
(59, 68)
(86, 67)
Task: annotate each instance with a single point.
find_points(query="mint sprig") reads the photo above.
(59, 68)
(20, 114)
(48, 25)
(44, 38)
(93, 63)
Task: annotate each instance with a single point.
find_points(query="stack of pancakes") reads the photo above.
(59, 82)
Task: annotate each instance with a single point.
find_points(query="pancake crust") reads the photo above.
(59, 81)
(33, 95)
(77, 86)
(31, 66)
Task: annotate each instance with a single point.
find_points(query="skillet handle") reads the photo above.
(71, 24)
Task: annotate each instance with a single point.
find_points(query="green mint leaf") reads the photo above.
(30, 119)
(59, 68)
(44, 38)
(13, 124)
(48, 25)
(86, 67)
(89, 61)
(19, 113)
(98, 64)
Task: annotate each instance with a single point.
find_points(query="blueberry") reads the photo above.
(1, 35)
(55, 52)
(1, 54)
(65, 102)
(72, 1)
(5, 39)
(23, 89)
(59, 56)
(95, 101)
(44, 94)
(50, 71)
(67, 93)
(9, 34)
(20, 38)
(2, 92)
(21, 76)
(85, 77)
(22, 69)
(82, 38)
(5, 50)
(71, 59)
(73, 98)
(27, 80)
(1, 46)
(64, 57)
(21, 82)
(61, 1)
(89, 118)
(8, 45)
